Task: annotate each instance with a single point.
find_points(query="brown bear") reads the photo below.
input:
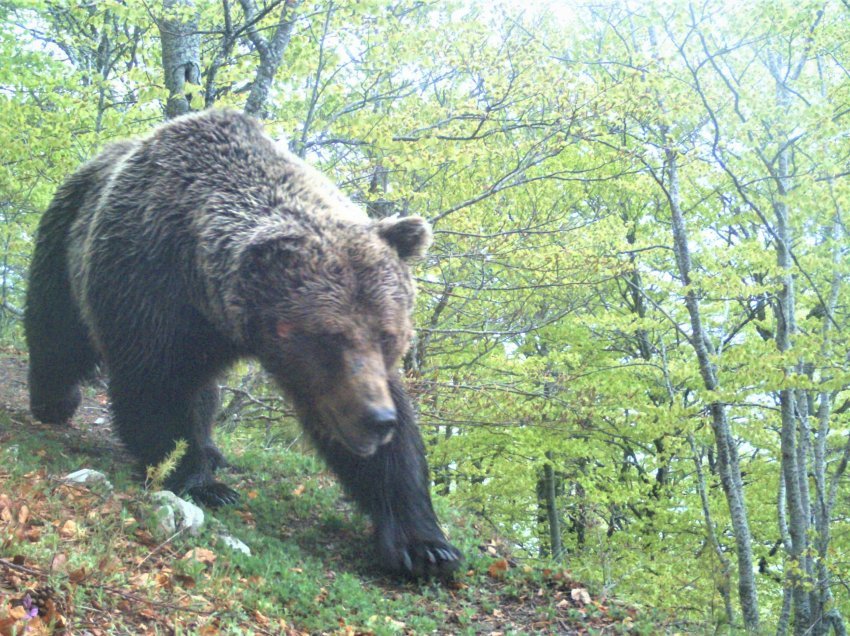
(171, 256)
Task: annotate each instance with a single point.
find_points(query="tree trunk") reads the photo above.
(270, 50)
(550, 492)
(823, 501)
(792, 448)
(725, 587)
(181, 56)
(727, 452)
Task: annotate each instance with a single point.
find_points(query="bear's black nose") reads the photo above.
(382, 420)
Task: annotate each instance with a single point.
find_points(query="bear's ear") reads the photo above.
(410, 236)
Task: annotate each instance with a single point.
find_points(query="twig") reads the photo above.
(109, 589)
(161, 546)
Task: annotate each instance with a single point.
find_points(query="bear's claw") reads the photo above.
(214, 494)
(428, 559)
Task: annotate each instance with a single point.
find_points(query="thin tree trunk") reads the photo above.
(316, 90)
(792, 447)
(181, 56)
(711, 533)
(782, 522)
(270, 50)
(550, 491)
(222, 53)
(727, 452)
(823, 502)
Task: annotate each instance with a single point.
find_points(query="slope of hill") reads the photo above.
(81, 560)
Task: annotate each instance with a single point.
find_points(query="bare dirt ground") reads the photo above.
(13, 381)
(90, 422)
(14, 396)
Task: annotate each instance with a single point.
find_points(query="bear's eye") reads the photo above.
(324, 348)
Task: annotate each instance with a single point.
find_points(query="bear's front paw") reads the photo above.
(214, 494)
(418, 557)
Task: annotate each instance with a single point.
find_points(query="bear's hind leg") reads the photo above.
(54, 388)
(392, 486)
(61, 353)
(60, 356)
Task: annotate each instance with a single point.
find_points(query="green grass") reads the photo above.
(312, 567)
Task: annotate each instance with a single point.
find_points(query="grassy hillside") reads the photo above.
(84, 560)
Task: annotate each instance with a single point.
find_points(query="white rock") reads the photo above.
(163, 524)
(88, 476)
(175, 514)
(235, 544)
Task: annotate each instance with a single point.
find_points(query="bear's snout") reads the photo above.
(382, 422)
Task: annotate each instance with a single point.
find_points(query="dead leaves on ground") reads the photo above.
(138, 587)
(143, 586)
(26, 616)
(524, 590)
(498, 568)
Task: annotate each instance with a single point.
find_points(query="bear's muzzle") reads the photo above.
(382, 421)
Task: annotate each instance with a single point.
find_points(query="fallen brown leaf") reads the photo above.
(498, 568)
(7, 626)
(69, 529)
(185, 581)
(204, 555)
(18, 612)
(261, 618)
(57, 563)
(78, 575)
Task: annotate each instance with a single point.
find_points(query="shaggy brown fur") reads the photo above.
(172, 256)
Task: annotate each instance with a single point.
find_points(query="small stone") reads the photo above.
(234, 544)
(163, 525)
(175, 514)
(88, 476)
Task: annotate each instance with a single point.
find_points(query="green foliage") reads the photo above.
(155, 476)
(551, 314)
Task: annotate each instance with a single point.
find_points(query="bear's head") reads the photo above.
(327, 311)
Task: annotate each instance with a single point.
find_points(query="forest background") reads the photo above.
(632, 352)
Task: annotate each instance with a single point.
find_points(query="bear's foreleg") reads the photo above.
(392, 486)
(151, 422)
